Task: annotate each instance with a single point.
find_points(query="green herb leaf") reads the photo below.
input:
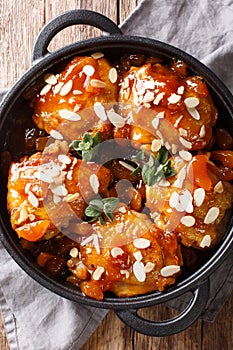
(162, 155)
(98, 207)
(86, 148)
(136, 171)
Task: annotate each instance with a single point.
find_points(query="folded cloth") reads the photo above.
(34, 317)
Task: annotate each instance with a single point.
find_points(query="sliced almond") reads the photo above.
(191, 102)
(94, 182)
(97, 55)
(185, 143)
(63, 158)
(155, 145)
(139, 272)
(218, 188)
(33, 200)
(74, 252)
(202, 132)
(183, 132)
(125, 272)
(69, 115)
(155, 123)
(23, 215)
(77, 92)
(56, 199)
(187, 156)
(58, 87)
(178, 121)
(116, 119)
(98, 83)
(88, 70)
(164, 183)
(98, 273)
(174, 98)
(188, 220)
(100, 111)
(180, 90)
(116, 251)
(141, 243)
(60, 190)
(43, 177)
(206, 241)
(194, 113)
(112, 75)
(66, 88)
(56, 135)
(174, 199)
(27, 187)
(149, 84)
(45, 89)
(158, 98)
(138, 255)
(169, 270)
(77, 107)
(50, 79)
(148, 97)
(149, 267)
(127, 166)
(199, 196)
(211, 215)
(71, 197)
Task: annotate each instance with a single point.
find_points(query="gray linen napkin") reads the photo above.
(34, 317)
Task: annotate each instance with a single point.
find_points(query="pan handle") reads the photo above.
(68, 19)
(171, 326)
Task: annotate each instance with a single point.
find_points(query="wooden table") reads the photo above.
(20, 24)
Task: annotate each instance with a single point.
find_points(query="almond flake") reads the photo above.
(116, 119)
(97, 55)
(186, 201)
(66, 88)
(169, 270)
(74, 252)
(146, 104)
(77, 108)
(138, 255)
(158, 98)
(188, 220)
(116, 251)
(112, 75)
(43, 177)
(98, 83)
(122, 210)
(185, 143)
(148, 97)
(50, 79)
(206, 241)
(218, 188)
(174, 199)
(149, 84)
(77, 92)
(125, 272)
(33, 200)
(155, 145)
(56, 199)
(183, 132)
(58, 87)
(23, 215)
(45, 89)
(69, 115)
(194, 113)
(63, 158)
(71, 197)
(31, 217)
(164, 183)
(199, 196)
(149, 267)
(60, 190)
(94, 182)
(211, 215)
(88, 70)
(127, 166)
(98, 273)
(187, 156)
(174, 98)
(178, 121)
(160, 115)
(56, 135)
(141, 91)
(180, 178)
(174, 148)
(100, 111)
(155, 123)
(27, 188)
(141, 243)
(202, 132)
(180, 90)
(139, 272)
(191, 102)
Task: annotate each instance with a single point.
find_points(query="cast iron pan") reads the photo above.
(14, 107)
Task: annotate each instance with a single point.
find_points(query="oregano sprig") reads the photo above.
(86, 148)
(98, 207)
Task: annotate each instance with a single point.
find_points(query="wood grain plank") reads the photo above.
(20, 22)
(3, 338)
(126, 7)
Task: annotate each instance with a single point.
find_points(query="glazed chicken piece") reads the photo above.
(46, 194)
(66, 103)
(193, 203)
(166, 105)
(128, 256)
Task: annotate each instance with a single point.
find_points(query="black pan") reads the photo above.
(15, 106)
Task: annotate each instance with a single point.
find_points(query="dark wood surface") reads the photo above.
(20, 22)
